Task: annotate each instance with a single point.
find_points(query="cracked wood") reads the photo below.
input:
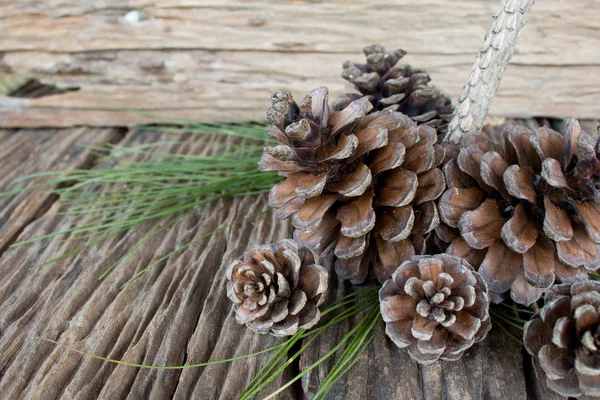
(213, 61)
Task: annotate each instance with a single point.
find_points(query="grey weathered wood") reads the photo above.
(178, 313)
(25, 152)
(214, 60)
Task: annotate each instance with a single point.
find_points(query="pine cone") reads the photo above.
(526, 213)
(396, 87)
(564, 340)
(277, 288)
(366, 182)
(436, 306)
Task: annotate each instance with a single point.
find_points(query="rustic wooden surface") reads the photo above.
(215, 60)
(25, 151)
(178, 313)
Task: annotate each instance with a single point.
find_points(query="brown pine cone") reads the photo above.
(526, 213)
(564, 340)
(366, 182)
(436, 306)
(277, 288)
(396, 87)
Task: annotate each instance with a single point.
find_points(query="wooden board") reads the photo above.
(25, 152)
(221, 60)
(178, 313)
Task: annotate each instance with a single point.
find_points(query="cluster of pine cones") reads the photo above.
(371, 180)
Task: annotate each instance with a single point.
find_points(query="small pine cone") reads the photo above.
(364, 182)
(436, 306)
(564, 340)
(396, 87)
(277, 288)
(527, 212)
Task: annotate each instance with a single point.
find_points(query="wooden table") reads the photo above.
(178, 312)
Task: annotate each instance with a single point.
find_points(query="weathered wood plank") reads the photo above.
(177, 312)
(26, 152)
(222, 60)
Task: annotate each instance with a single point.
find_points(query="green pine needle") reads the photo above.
(161, 189)
(9, 83)
(507, 333)
(354, 340)
(594, 275)
(509, 319)
(364, 301)
(517, 309)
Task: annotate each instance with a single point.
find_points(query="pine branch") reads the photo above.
(486, 73)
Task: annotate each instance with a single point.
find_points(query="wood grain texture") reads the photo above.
(25, 152)
(212, 60)
(178, 313)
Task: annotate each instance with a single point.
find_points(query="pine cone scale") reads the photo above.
(357, 217)
(590, 214)
(354, 184)
(538, 263)
(431, 186)
(389, 255)
(523, 292)
(349, 115)
(427, 218)
(519, 183)
(520, 233)
(548, 144)
(396, 223)
(557, 225)
(482, 226)
(500, 267)
(374, 136)
(492, 171)
(310, 215)
(457, 201)
(552, 173)
(399, 190)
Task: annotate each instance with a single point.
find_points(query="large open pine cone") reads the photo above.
(277, 288)
(436, 306)
(564, 340)
(366, 182)
(397, 87)
(527, 213)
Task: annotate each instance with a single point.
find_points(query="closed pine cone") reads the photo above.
(436, 307)
(396, 87)
(365, 182)
(527, 213)
(277, 288)
(564, 340)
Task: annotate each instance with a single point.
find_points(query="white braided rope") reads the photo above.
(486, 74)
